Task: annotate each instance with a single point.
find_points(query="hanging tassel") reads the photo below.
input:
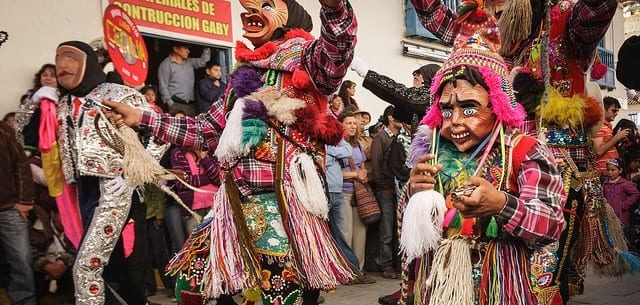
(628, 261)
(253, 132)
(492, 228)
(467, 227)
(230, 145)
(506, 275)
(422, 224)
(450, 280)
(451, 213)
(456, 222)
(233, 265)
(631, 261)
(515, 24)
(310, 190)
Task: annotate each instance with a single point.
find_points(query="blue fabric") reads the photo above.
(358, 159)
(386, 231)
(14, 239)
(175, 225)
(337, 225)
(334, 168)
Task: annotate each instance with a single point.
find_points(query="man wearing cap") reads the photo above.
(176, 78)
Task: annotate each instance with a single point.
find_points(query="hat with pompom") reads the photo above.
(477, 45)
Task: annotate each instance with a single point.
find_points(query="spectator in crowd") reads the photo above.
(385, 193)
(46, 76)
(346, 92)
(151, 94)
(630, 145)
(176, 78)
(337, 208)
(604, 143)
(10, 119)
(16, 201)
(633, 172)
(201, 171)
(154, 199)
(353, 169)
(619, 192)
(53, 253)
(335, 105)
(210, 88)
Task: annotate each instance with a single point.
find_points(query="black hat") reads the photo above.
(629, 63)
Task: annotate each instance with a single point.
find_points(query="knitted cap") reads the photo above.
(477, 45)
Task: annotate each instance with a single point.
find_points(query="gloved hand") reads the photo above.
(45, 92)
(359, 66)
(117, 186)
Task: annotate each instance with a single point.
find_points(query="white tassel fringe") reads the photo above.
(422, 224)
(450, 281)
(230, 144)
(306, 181)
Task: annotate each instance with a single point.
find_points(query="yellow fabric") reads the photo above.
(52, 167)
(563, 111)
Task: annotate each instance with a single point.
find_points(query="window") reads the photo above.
(608, 81)
(412, 23)
(634, 117)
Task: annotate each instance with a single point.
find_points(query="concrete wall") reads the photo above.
(37, 27)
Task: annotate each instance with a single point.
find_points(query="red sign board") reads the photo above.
(125, 46)
(196, 19)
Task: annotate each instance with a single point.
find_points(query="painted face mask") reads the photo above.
(262, 19)
(467, 117)
(70, 66)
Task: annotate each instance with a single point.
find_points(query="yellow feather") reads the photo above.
(562, 111)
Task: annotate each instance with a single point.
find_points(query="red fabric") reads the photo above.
(128, 238)
(519, 154)
(201, 200)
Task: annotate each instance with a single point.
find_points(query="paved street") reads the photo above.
(598, 291)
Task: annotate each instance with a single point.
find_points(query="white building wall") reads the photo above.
(36, 27)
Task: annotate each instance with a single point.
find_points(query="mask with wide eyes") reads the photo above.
(467, 111)
(262, 18)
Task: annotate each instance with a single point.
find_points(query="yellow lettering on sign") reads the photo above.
(208, 8)
(214, 27)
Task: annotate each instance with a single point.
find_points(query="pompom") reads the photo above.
(254, 110)
(598, 71)
(300, 79)
(593, 112)
(245, 80)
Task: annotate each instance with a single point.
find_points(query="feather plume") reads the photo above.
(562, 111)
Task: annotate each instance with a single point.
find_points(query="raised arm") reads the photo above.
(438, 19)
(327, 58)
(588, 23)
(200, 62)
(390, 91)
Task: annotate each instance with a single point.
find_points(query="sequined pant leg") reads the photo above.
(100, 239)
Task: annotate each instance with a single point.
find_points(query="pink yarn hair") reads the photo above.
(501, 104)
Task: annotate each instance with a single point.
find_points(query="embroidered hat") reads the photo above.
(477, 45)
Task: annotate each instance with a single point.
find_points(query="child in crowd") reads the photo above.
(151, 94)
(620, 192)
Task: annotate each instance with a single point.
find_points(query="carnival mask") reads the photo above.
(262, 19)
(70, 66)
(467, 117)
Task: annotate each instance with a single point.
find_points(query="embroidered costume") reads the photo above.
(269, 227)
(82, 167)
(485, 259)
(563, 122)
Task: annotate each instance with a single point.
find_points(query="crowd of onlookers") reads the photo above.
(370, 160)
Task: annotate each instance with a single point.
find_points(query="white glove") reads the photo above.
(117, 186)
(45, 92)
(631, 93)
(359, 66)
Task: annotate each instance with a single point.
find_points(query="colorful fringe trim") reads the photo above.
(505, 276)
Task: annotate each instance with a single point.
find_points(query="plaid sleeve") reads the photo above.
(438, 19)
(588, 23)
(535, 214)
(200, 132)
(327, 58)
